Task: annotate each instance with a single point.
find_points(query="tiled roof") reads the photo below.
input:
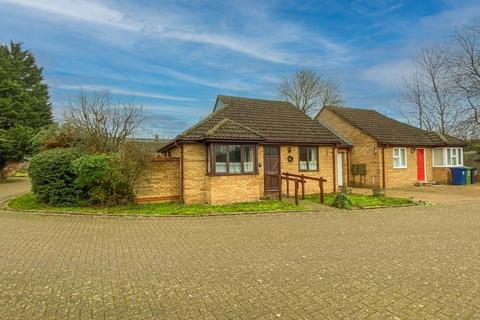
(389, 131)
(228, 128)
(256, 119)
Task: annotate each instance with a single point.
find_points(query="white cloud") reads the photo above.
(389, 74)
(87, 11)
(228, 84)
(263, 43)
(121, 91)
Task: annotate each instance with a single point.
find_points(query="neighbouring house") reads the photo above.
(388, 153)
(228, 156)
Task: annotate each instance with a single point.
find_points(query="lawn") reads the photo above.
(360, 201)
(28, 202)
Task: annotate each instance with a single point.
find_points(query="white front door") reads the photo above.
(340, 169)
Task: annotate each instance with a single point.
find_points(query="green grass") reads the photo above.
(28, 202)
(360, 201)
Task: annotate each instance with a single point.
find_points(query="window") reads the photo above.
(232, 159)
(438, 160)
(447, 157)
(249, 155)
(220, 159)
(308, 159)
(399, 158)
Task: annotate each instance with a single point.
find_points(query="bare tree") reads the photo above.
(103, 124)
(429, 91)
(309, 92)
(465, 68)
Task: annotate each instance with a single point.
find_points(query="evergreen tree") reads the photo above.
(24, 102)
(24, 96)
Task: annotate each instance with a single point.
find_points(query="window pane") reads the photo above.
(396, 162)
(220, 159)
(460, 156)
(396, 152)
(438, 157)
(449, 156)
(454, 157)
(403, 155)
(312, 158)
(234, 159)
(303, 157)
(248, 159)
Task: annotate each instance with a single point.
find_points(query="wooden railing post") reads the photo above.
(303, 187)
(296, 192)
(280, 187)
(321, 191)
(288, 185)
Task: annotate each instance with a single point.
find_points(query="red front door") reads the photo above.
(420, 164)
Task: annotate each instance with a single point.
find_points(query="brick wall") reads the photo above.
(404, 177)
(194, 173)
(441, 175)
(161, 182)
(364, 151)
(199, 187)
(325, 162)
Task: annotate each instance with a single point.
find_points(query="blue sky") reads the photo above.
(176, 56)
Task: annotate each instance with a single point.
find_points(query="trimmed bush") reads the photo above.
(53, 178)
(342, 201)
(105, 179)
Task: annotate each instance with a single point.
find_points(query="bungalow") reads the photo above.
(387, 153)
(228, 156)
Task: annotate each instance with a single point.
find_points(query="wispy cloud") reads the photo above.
(87, 11)
(121, 91)
(275, 48)
(388, 74)
(227, 84)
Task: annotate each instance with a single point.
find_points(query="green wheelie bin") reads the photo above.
(468, 175)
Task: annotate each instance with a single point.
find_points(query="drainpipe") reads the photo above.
(383, 166)
(348, 167)
(334, 169)
(181, 174)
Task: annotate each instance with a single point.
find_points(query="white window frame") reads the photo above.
(400, 150)
(458, 156)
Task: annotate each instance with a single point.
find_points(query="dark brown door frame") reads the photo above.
(265, 166)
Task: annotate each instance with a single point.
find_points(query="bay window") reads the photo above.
(232, 159)
(399, 158)
(447, 157)
(308, 158)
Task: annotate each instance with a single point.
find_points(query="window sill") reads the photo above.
(400, 167)
(231, 174)
(308, 170)
(457, 166)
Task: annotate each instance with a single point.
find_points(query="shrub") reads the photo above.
(105, 179)
(342, 201)
(53, 178)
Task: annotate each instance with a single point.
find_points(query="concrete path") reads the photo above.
(402, 263)
(444, 194)
(13, 186)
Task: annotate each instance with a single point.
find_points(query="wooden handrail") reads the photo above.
(297, 179)
(302, 176)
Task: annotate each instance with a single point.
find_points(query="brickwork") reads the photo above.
(199, 187)
(325, 166)
(441, 175)
(397, 263)
(161, 182)
(405, 177)
(194, 173)
(365, 150)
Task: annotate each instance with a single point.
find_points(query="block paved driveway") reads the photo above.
(415, 263)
